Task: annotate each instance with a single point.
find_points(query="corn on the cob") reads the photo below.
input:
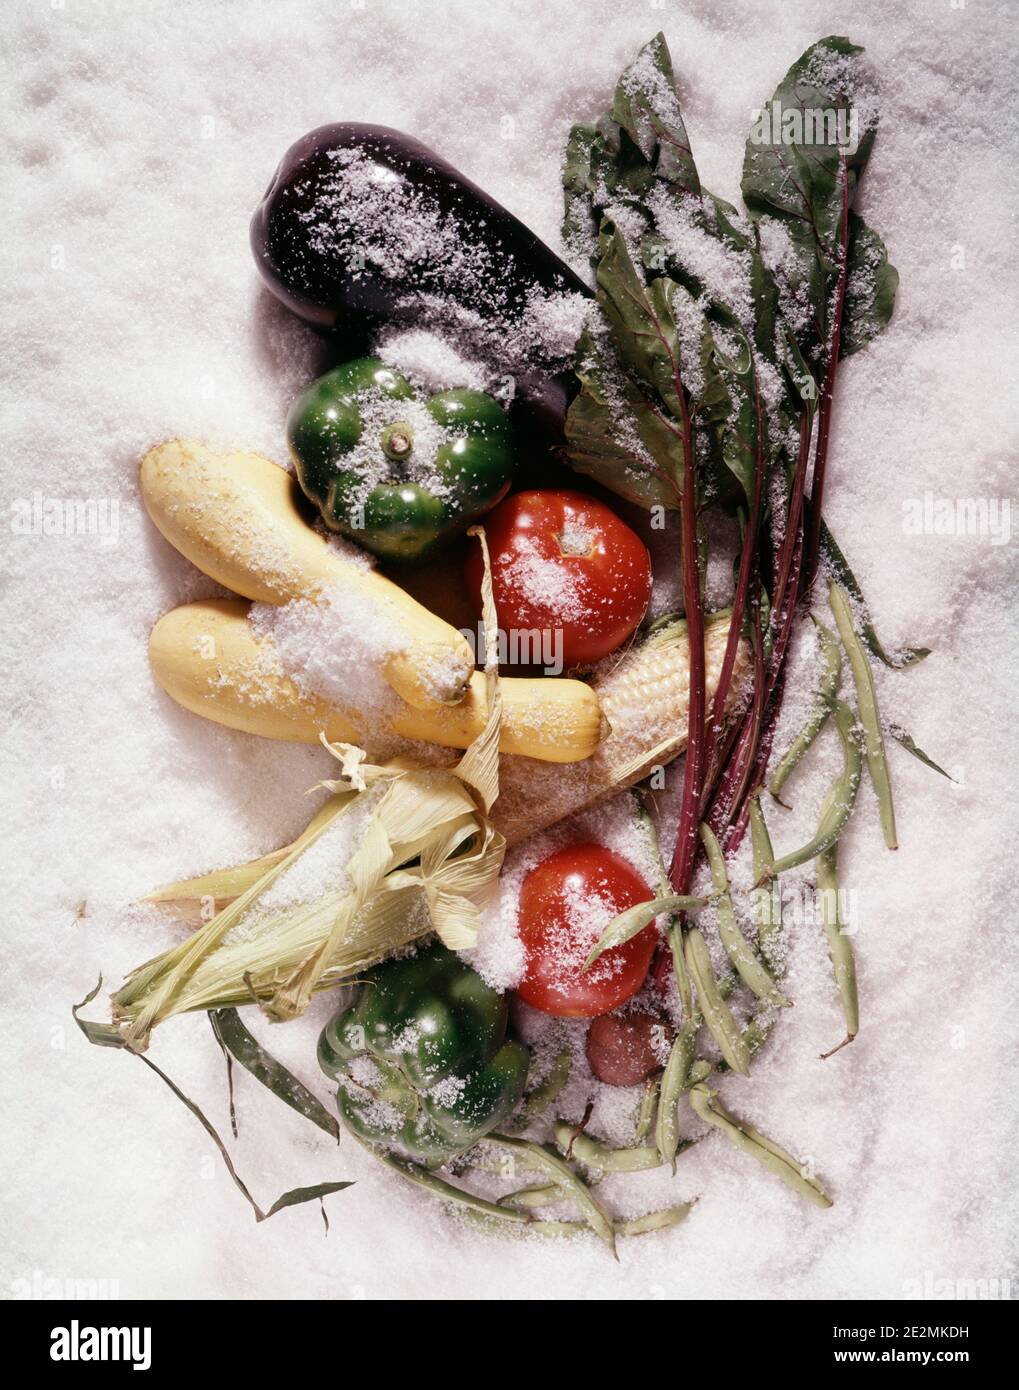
(208, 658)
(646, 693)
(644, 697)
(235, 516)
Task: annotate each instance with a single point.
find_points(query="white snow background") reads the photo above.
(137, 139)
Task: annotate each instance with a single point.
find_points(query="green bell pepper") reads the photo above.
(393, 469)
(422, 1057)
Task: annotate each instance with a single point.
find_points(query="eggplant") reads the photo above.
(362, 224)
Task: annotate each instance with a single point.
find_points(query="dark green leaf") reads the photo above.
(793, 154)
(641, 319)
(870, 287)
(641, 141)
(647, 108)
(297, 1195)
(807, 151)
(228, 1059)
(638, 158)
(727, 403)
(579, 220)
(797, 370)
(234, 1036)
(615, 435)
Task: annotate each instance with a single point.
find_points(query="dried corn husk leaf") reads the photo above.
(150, 992)
(479, 766)
(270, 1072)
(280, 952)
(223, 885)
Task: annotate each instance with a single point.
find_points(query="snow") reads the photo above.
(429, 360)
(137, 141)
(333, 646)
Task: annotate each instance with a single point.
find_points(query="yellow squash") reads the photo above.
(208, 658)
(236, 516)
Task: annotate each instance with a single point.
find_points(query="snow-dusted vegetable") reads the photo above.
(395, 470)
(644, 697)
(422, 1057)
(562, 903)
(400, 853)
(564, 562)
(236, 516)
(364, 222)
(209, 658)
(625, 1049)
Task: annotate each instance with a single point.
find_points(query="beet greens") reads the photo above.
(708, 378)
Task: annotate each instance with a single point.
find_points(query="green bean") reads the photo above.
(431, 1182)
(541, 1195)
(673, 932)
(561, 1173)
(744, 1137)
(727, 984)
(840, 947)
(558, 1229)
(828, 689)
(755, 1035)
(497, 1165)
(700, 1071)
(527, 1227)
(751, 969)
(594, 1154)
(677, 1069)
(839, 801)
(758, 1030)
(648, 1107)
(779, 1153)
(655, 1220)
(628, 924)
(717, 1015)
(667, 1124)
(870, 715)
(683, 987)
(769, 899)
(536, 1102)
(769, 924)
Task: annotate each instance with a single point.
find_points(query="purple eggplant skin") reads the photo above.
(329, 283)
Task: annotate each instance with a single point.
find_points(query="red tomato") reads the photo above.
(565, 903)
(564, 561)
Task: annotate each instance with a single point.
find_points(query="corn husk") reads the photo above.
(422, 855)
(223, 885)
